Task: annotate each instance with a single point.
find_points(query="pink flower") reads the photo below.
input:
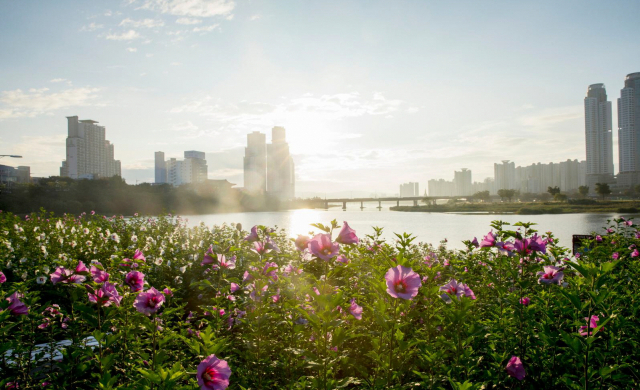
(105, 295)
(270, 269)
(475, 242)
(208, 259)
(138, 255)
(355, 310)
(590, 324)
(16, 307)
(599, 238)
(224, 263)
(550, 274)
(167, 292)
(61, 274)
(525, 301)
(2, 277)
(515, 368)
(402, 282)
(290, 269)
(629, 223)
(322, 247)
(454, 288)
(260, 248)
(149, 302)
(213, 374)
(253, 236)
(81, 268)
(615, 256)
(301, 242)
(347, 235)
(342, 259)
(488, 241)
(234, 287)
(98, 275)
(135, 280)
(635, 253)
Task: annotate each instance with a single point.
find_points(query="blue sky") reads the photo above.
(372, 93)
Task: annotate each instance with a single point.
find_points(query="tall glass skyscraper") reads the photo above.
(597, 121)
(629, 131)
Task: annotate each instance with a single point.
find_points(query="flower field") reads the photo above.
(137, 303)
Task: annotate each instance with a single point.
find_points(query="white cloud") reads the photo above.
(92, 27)
(18, 103)
(145, 23)
(132, 49)
(193, 8)
(255, 17)
(189, 21)
(125, 36)
(206, 28)
(57, 80)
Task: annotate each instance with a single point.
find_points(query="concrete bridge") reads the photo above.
(324, 203)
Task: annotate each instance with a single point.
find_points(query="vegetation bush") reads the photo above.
(174, 307)
(583, 202)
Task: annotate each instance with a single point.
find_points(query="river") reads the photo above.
(427, 227)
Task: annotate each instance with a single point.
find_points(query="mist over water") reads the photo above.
(427, 227)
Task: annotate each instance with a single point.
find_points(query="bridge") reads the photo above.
(415, 199)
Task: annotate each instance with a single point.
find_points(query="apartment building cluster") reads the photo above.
(192, 169)
(408, 190)
(269, 168)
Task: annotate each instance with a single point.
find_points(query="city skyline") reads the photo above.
(376, 93)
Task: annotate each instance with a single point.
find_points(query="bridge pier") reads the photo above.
(326, 205)
(415, 203)
(344, 205)
(398, 203)
(361, 205)
(379, 205)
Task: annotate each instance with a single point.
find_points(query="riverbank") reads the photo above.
(528, 208)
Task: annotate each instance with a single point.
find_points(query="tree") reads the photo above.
(603, 189)
(560, 197)
(503, 193)
(583, 190)
(553, 190)
(482, 195)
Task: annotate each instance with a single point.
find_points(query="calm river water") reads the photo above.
(428, 227)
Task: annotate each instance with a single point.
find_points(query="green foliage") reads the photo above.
(290, 324)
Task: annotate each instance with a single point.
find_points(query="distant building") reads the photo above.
(441, 187)
(537, 178)
(255, 163)
(462, 182)
(280, 166)
(160, 168)
(408, 190)
(597, 121)
(18, 175)
(629, 131)
(89, 154)
(504, 176)
(193, 169)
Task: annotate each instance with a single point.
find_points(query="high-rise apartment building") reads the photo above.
(193, 169)
(629, 131)
(160, 168)
(408, 190)
(597, 121)
(89, 154)
(280, 167)
(255, 163)
(462, 182)
(504, 175)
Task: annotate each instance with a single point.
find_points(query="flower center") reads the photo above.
(209, 375)
(400, 286)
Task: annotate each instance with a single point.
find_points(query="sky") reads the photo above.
(372, 93)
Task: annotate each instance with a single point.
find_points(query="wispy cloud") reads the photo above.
(92, 27)
(144, 23)
(206, 28)
(57, 80)
(255, 17)
(132, 49)
(125, 36)
(18, 103)
(188, 21)
(193, 8)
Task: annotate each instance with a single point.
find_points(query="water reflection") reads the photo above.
(428, 227)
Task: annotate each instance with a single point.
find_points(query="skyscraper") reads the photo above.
(280, 167)
(462, 182)
(161, 168)
(597, 119)
(629, 131)
(89, 154)
(505, 175)
(255, 163)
